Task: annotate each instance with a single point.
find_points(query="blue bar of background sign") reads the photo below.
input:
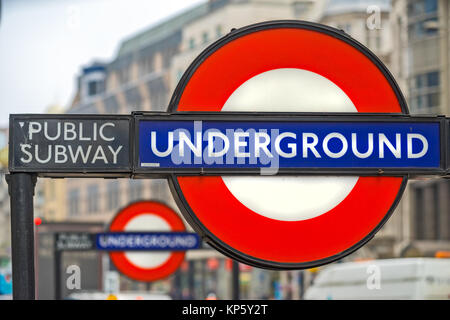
(430, 130)
(172, 235)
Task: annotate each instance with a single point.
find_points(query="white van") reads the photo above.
(407, 278)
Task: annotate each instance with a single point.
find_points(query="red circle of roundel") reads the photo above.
(232, 227)
(123, 264)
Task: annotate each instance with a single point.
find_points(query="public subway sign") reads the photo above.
(73, 241)
(70, 144)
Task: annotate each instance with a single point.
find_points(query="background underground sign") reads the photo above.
(147, 216)
(287, 222)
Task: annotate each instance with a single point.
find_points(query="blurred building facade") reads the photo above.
(149, 64)
(422, 66)
(5, 225)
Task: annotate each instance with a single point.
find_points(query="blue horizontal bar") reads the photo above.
(173, 144)
(147, 241)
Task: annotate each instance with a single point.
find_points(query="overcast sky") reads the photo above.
(43, 44)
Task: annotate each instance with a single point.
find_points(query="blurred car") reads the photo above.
(402, 279)
(6, 283)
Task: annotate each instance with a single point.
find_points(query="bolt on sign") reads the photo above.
(287, 145)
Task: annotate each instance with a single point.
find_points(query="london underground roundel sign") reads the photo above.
(287, 221)
(145, 216)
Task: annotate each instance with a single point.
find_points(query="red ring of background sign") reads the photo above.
(119, 258)
(254, 235)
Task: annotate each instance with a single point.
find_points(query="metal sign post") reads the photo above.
(57, 258)
(21, 192)
(235, 280)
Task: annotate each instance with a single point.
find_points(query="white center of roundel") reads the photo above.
(289, 198)
(147, 222)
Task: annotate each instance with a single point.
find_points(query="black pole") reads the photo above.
(191, 280)
(57, 270)
(21, 192)
(235, 280)
(301, 280)
(177, 285)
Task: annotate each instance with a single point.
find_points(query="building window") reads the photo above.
(432, 100)
(420, 215)
(420, 29)
(74, 200)
(432, 79)
(425, 101)
(205, 37)
(431, 209)
(191, 43)
(425, 80)
(431, 6)
(92, 198)
(95, 87)
(419, 81)
(113, 195)
(420, 7)
(425, 91)
(218, 31)
(423, 17)
(92, 88)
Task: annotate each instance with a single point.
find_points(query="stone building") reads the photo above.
(422, 64)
